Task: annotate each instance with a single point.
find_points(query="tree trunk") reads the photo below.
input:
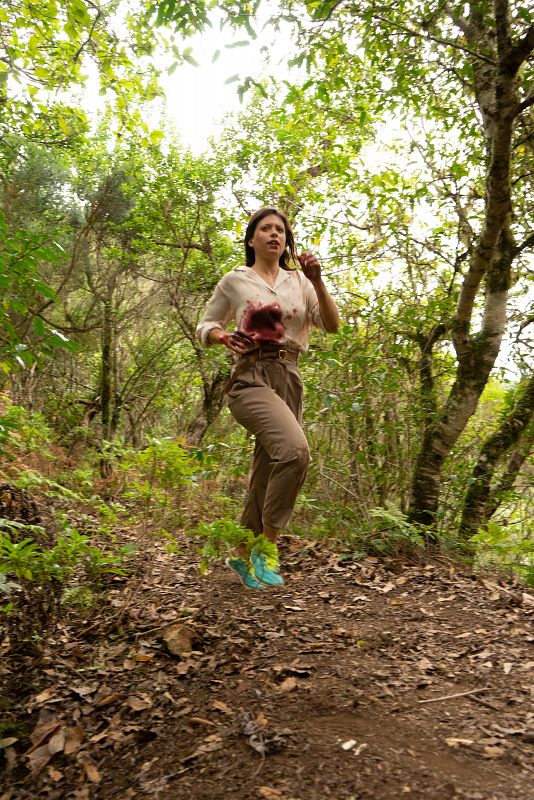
(481, 502)
(107, 383)
(490, 262)
(212, 403)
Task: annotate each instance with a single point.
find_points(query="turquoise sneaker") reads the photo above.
(271, 577)
(245, 573)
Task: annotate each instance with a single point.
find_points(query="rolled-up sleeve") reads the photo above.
(217, 315)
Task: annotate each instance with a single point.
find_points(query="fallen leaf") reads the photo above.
(57, 742)
(4, 743)
(214, 743)
(139, 703)
(74, 736)
(261, 720)
(82, 793)
(142, 657)
(493, 751)
(39, 758)
(43, 732)
(45, 695)
(108, 699)
(507, 668)
(184, 711)
(388, 587)
(269, 793)
(453, 742)
(91, 771)
(178, 638)
(289, 685)
(218, 705)
(425, 664)
(396, 602)
(54, 774)
(83, 691)
(201, 721)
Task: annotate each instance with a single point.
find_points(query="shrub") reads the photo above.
(34, 577)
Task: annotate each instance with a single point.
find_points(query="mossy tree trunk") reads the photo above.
(515, 431)
(492, 254)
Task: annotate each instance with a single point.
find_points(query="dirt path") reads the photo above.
(352, 681)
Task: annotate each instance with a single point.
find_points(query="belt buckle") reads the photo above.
(282, 353)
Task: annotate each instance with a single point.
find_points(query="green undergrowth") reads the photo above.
(499, 549)
(38, 577)
(162, 490)
(379, 531)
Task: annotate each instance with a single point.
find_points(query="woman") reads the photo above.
(274, 307)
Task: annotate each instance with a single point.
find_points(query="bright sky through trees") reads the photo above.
(198, 97)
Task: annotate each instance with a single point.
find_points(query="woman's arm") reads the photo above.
(328, 309)
(216, 317)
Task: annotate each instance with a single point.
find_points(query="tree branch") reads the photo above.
(527, 102)
(518, 54)
(428, 37)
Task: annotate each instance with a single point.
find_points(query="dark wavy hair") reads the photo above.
(289, 254)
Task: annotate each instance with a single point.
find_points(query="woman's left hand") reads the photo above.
(310, 266)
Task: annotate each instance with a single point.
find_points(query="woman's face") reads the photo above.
(269, 238)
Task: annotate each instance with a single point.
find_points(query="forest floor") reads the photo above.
(366, 679)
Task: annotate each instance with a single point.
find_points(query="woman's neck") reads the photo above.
(264, 267)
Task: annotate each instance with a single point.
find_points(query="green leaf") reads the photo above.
(39, 326)
(241, 43)
(189, 58)
(64, 126)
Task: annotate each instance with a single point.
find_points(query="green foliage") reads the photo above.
(24, 334)
(26, 560)
(378, 531)
(223, 535)
(165, 463)
(46, 48)
(35, 577)
(82, 597)
(22, 430)
(159, 477)
(499, 547)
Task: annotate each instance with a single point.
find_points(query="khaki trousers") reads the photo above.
(266, 398)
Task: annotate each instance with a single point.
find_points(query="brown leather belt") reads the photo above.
(271, 351)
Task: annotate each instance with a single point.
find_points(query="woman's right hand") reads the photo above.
(238, 342)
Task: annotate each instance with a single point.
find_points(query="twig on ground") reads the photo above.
(451, 696)
(484, 703)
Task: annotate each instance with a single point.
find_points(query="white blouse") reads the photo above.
(241, 291)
